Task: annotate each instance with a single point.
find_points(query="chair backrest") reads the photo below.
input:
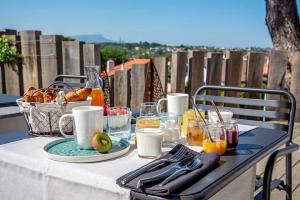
(263, 112)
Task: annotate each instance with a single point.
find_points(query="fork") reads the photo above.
(179, 155)
(182, 164)
(196, 163)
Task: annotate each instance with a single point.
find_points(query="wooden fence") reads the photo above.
(46, 56)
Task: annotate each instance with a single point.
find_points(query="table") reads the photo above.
(8, 100)
(263, 141)
(25, 173)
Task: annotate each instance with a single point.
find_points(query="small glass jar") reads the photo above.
(149, 141)
(194, 135)
(214, 139)
(214, 118)
(232, 134)
(189, 114)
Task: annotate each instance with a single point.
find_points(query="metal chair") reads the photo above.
(82, 79)
(258, 112)
(63, 78)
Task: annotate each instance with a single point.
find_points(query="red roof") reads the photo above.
(128, 65)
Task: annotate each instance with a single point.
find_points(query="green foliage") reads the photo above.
(116, 53)
(68, 38)
(8, 51)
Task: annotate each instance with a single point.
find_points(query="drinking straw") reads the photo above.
(217, 111)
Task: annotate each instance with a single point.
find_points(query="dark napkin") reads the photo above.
(210, 161)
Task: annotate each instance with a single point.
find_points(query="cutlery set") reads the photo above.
(186, 163)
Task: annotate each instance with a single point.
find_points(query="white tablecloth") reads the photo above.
(26, 173)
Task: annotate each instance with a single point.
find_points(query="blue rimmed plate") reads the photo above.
(66, 150)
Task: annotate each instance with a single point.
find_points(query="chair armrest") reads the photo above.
(291, 147)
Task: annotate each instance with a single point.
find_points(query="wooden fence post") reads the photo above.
(196, 71)
(10, 32)
(91, 55)
(2, 79)
(277, 68)
(160, 64)
(73, 58)
(138, 79)
(112, 89)
(255, 68)
(14, 73)
(295, 65)
(178, 71)
(51, 58)
(233, 72)
(122, 88)
(214, 71)
(30, 48)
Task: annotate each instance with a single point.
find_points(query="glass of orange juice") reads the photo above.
(147, 122)
(194, 135)
(214, 139)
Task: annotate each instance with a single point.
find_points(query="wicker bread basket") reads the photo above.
(42, 118)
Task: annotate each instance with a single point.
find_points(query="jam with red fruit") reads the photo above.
(232, 134)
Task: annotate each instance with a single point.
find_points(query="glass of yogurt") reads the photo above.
(149, 141)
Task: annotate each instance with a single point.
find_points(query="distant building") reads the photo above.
(128, 65)
(110, 64)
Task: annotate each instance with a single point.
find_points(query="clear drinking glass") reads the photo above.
(171, 125)
(149, 141)
(149, 109)
(195, 133)
(118, 120)
(148, 122)
(214, 139)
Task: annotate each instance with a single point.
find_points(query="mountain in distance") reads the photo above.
(92, 38)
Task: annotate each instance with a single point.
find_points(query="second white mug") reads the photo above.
(177, 102)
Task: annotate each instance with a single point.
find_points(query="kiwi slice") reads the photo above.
(102, 142)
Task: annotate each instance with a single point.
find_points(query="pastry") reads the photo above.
(78, 95)
(50, 95)
(33, 95)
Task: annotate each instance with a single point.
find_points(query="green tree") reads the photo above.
(116, 53)
(8, 51)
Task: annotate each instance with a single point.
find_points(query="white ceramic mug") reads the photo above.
(88, 120)
(177, 102)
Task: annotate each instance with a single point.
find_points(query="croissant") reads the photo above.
(50, 95)
(33, 95)
(78, 95)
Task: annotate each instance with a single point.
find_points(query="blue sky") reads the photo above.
(223, 23)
